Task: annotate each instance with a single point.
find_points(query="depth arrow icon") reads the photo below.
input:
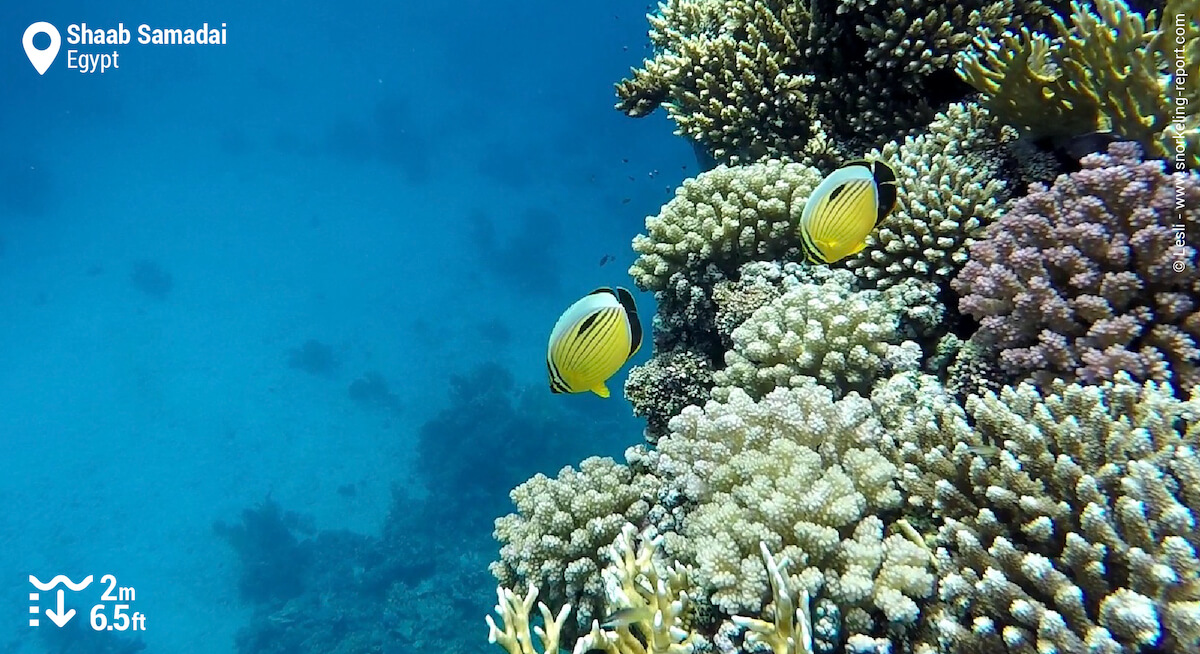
(60, 617)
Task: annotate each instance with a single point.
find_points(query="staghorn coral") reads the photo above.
(825, 329)
(949, 193)
(1085, 279)
(724, 217)
(1106, 71)
(515, 637)
(556, 539)
(1067, 520)
(653, 593)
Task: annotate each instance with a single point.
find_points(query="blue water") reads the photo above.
(417, 188)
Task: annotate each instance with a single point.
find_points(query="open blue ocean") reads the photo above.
(206, 248)
(715, 326)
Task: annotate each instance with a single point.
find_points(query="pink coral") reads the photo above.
(1087, 278)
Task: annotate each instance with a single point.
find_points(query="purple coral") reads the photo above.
(1091, 276)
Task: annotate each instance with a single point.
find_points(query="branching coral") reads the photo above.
(828, 331)
(949, 192)
(724, 218)
(562, 526)
(1085, 279)
(728, 73)
(514, 615)
(652, 596)
(1107, 71)
(803, 473)
(1068, 521)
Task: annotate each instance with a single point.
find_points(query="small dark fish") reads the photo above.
(625, 200)
(627, 616)
(624, 161)
(606, 258)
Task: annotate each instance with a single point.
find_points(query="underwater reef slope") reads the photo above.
(979, 434)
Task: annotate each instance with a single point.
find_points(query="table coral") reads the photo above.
(1108, 70)
(1085, 278)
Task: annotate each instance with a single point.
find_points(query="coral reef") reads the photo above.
(801, 472)
(650, 593)
(557, 538)
(950, 192)
(1084, 279)
(1066, 520)
(335, 592)
(513, 431)
(724, 218)
(660, 388)
(821, 327)
(759, 79)
(1105, 72)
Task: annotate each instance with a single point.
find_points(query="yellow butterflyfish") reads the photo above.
(844, 208)
(592, 340)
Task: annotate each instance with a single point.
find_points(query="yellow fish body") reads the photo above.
(592, 340)
(844, 208)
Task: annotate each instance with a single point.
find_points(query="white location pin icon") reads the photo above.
(41, 59)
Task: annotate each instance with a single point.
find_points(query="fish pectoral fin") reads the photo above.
(601, 390)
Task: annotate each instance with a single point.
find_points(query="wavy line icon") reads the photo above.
(63, 580)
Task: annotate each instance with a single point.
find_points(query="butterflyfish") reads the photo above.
(844, 208)
(592, 340)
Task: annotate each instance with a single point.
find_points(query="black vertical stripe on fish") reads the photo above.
(842, 213)
(557, 385)
(581, 349)
(585, 351)
(631, 315)
(587, 324)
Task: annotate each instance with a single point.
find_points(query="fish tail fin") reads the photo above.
(601, 390)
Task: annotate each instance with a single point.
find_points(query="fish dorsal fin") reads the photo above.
(631, 315)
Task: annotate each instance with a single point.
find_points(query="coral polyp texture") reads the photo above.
(978, 435)
(1107, 70)
(556, 539)
(724, 217)
(949, 192)
(755, 79)
(826, 330)
(1067, 517)
(1084, 279)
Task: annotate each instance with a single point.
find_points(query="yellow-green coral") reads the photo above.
(791, 630)
(1106, 71)
(653, 592)
(514, 615)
